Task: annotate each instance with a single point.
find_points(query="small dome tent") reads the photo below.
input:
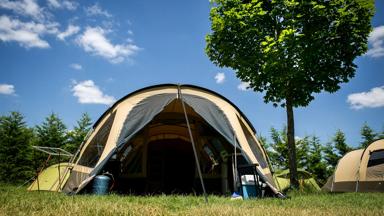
(145, 142)
(306, 180)
(49, 179)
(361, 170)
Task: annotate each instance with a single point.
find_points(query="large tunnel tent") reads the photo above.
(144, 141)
(361, 170)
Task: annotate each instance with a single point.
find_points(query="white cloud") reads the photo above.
(66, 4)
(7, 89)
(76, 66)
(89, 93)
(94, 41)
(71, 30)
(376, 42)
(371, 99)
(243, 86)
(220, 78)
(25, 8)
(27, 34)
(110, 80)
(54, 3)
(96, 10)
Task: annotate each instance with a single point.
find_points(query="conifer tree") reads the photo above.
(79, 132)
(335, 150)
(367, 135)
(316, 163)
(340, 143)
(15, 149)
(51, 133)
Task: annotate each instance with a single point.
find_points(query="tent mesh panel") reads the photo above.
(95, 148)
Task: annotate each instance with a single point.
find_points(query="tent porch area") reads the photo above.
(170, 168)
(159, 159)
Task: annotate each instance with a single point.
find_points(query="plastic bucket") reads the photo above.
(101, 185)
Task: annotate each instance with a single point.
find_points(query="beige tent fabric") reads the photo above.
(91, 137)
(377, 145)
(348, 167)
(353, 174)
(77, 175)
(232, 115)
(122, 108)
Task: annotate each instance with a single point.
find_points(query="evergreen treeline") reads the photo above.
(312, 155)
(18, 160)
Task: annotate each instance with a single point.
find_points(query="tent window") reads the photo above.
(376, 158)
(96, 147)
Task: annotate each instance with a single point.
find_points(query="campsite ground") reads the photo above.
(17, 201)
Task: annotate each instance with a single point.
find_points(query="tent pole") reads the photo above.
(269, 163)
(193, 146)
(37, 180)
(58, 167)
(72, 159)
(235, 164)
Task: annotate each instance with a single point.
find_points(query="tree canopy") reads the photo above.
(290, 49)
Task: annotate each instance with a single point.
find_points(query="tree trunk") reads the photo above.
(291, 145)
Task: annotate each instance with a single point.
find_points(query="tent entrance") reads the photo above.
(170, 167)
(160, 158)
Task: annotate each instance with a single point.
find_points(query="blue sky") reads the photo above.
(70, 57)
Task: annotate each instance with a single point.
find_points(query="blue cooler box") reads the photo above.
(249, 191)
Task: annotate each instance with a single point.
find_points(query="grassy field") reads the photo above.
(17, 201)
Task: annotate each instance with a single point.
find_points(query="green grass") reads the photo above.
(17, 201)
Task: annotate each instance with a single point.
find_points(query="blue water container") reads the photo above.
(101, 185)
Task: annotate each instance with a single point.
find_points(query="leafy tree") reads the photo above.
(290, 49)
(51, 133)
(15, 148)
(77, 135)
(368, 136)
(278, 150)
